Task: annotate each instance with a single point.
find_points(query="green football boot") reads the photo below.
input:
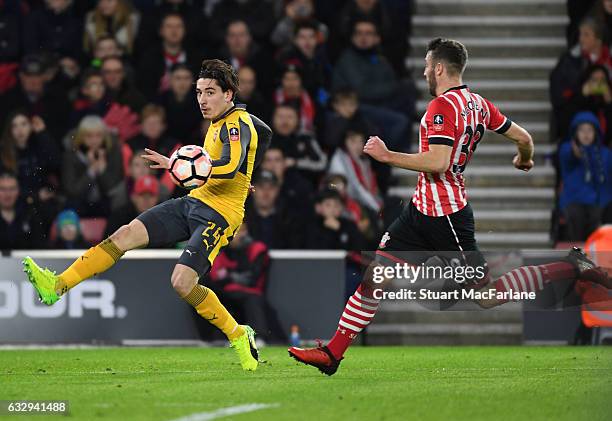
(246, 349)
(43, 280)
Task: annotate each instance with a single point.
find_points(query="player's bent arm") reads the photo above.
(233, 152)
(523, 141)
(436, 160)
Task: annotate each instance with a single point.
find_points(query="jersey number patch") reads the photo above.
(467, 148)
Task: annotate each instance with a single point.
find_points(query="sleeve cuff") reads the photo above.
(504, 127)
(440, 141)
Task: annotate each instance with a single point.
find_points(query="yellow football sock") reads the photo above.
(208, 306)
(95, 260)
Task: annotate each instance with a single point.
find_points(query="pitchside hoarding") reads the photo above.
(134, 300)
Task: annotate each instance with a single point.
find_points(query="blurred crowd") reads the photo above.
(86, 85)
(581, 95)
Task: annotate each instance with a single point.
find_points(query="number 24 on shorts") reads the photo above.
(212, 231)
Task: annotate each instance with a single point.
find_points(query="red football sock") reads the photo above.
(358, 313)
(534, 278)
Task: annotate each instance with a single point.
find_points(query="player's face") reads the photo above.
(21, 130)
(608, 6)
(212, 100)
(430, 75)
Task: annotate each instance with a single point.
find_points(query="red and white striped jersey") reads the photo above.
(457, 118)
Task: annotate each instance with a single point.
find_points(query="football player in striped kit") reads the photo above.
(439, 217)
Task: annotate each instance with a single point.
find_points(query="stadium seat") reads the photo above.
(92, 229)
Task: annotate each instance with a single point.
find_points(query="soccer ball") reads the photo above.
(190, 166)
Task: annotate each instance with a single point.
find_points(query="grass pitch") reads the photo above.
(373, 383)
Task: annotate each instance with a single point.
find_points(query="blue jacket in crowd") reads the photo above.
(586, 180)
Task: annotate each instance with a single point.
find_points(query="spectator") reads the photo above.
(112, 17)
(364, 69)
(346, 111)
(295, 191)
(240, 50)
(351, 162)
(153, 128)
(296, 11)
(183, 115)
(586, 173)
(270, 220)
(250, 95)
(93, 99)
(56, 28)
(603, 14)
(30, 152)
(305, 55)
(577, 11)
(351, 208)
(330, 230)
(92, 173)
(257, 14)
(10, 42)
(393, 29)
(195, 23)
(106, 46)
(156, 63)
(119, 88)
(69, 235)
(565, 78)
(144, 196)
(291, 92)
(301, 150)
(139, 167)
(239, 275)
(33, 96)
(19, 226)
(595, 95)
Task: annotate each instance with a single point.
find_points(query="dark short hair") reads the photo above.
(305, 24)
(328, 193)
(8, 174)
(452, 52)
(223, 73)
(180, 66)
(364, 19)
(88, 74)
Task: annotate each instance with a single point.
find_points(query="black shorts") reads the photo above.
(414, 237)
(190, 219)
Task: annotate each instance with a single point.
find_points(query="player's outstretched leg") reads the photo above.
(50, 287)
(358, 313)
(576, 265)
(207, 305)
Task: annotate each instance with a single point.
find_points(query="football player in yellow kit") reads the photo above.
(208, 217)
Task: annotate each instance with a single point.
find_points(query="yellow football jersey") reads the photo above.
(236, 142)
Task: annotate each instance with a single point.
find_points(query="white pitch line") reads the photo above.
(225, 412)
